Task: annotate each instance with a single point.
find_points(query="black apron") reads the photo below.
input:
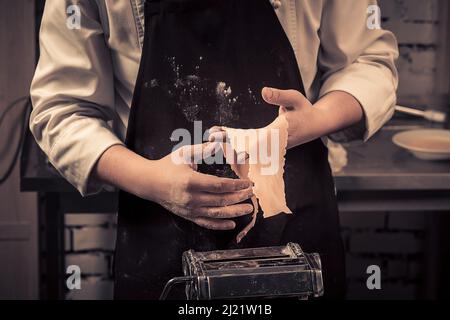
(207, 60)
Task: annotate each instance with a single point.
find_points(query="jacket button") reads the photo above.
(275, 4)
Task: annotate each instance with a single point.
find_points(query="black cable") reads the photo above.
(23, 128)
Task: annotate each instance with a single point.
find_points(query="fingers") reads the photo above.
(286, 98)
(214, 224)
(213, 184)
(218, 136)
(191, 153)
(229, 212)
(220, 200)
(216, 129)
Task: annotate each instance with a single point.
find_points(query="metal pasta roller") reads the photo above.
(275, 272)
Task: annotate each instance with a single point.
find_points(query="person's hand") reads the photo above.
(297, 110)
(206, 200)
(294, 107)
(335, 111)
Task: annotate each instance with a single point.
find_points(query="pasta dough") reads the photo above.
(264, 151)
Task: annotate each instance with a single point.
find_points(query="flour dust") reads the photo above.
(194, 95)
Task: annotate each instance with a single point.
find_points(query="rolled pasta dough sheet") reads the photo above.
(267, 175)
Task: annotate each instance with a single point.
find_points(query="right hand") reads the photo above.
(206, 200)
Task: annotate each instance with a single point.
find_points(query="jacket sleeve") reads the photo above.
(73, 93)
(360, 61)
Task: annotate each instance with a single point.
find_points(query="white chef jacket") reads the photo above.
(83, 86)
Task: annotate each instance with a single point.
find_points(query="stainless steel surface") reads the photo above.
(379, 165)
(284, 271)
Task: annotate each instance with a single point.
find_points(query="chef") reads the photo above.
(108, 96)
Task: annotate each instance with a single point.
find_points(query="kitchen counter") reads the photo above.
(380, 165)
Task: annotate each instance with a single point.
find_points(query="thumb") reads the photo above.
(285, 98)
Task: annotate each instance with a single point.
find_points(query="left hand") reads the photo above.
(294, 107)
(297, 110)
(335, 111)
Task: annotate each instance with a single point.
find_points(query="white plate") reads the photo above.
(426, 144)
